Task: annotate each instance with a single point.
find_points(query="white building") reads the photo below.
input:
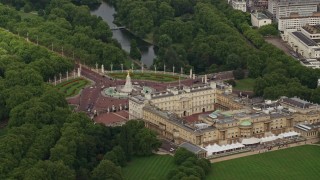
(272, 7)
(183, 102)
(311, 63)
(296, 22)
(284, 8)
(259, 19)
(239, 5)
(302, 44)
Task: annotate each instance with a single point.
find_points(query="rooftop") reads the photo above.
(297, 102)
(191, 147)
(305, 39)
(175, 119)
(315, 29)
(245, 123)
(260, 16)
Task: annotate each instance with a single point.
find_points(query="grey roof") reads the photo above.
(226, 121)
(191, 147)
(307, 127)
(297, 102)
(260, 16)
(305, 39)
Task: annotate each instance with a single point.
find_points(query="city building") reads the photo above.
(308, 130)
(207, 114)
(183, 101)
(257, 5)
(239, 5)
(310, 63)
(305, 42)
(295, 21)
(259, 19)
(284, 8)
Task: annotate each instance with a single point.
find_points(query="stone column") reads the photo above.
(205, 79)
(190, 73)
(102, 69)
(181, 71)
(193, 76)
(111, 67)
(74, 73)
(122, 68)
(97, 67)
(172, 70)
(55, 80)
(142, 67)
(155, 69)
(79, 72)
(164, 68)
(60, 77)
(202, 79)
(67, 75)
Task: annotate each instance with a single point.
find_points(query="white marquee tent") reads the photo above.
(211, 149)
(250, 141)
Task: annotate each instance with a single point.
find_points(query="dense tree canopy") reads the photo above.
(44, 139)
(67, 29)
(189, 166)
(210, 36)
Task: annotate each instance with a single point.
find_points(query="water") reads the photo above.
(106, 12)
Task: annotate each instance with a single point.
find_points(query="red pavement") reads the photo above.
(194, 117)
(109, 118)
(92, 99)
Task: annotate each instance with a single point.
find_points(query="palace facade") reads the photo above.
(207, 114)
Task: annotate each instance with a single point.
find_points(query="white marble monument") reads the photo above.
(127, 88)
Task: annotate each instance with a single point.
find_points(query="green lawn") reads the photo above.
(72, 87)
(147, 76)
(301, 162)
(244, 84)
(154, 167)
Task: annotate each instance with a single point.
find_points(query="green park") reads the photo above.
(159, 77)
(293, 163)
(72, 87)
(244, 84)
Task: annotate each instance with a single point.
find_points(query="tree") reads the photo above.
(134, 50)
(140, 21)
(107, 170)
(121, 157)
(205, 164)
(315, 97)
(164, 41)
(27, 8)
(268, 30)
(146, 142)
(238, 73)
(181, 155)
(49, 170)
(165, 12)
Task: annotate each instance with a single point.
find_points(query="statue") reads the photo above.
(127, 88)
